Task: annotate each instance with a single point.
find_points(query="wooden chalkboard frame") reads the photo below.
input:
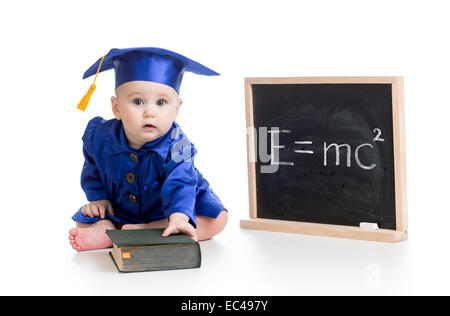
(340, 231)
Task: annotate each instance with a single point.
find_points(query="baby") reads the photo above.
(139, 170)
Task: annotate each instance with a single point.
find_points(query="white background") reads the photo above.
(47, 45)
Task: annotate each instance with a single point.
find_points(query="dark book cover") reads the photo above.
(145, 250)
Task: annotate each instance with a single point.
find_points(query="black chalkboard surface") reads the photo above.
(328, 151)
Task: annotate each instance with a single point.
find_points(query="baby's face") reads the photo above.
(147, 110)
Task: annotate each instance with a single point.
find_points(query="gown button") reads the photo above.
(133, 198)
(131, 177)
(134, 157)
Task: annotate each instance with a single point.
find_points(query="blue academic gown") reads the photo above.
(146, 184)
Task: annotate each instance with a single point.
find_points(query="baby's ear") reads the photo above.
(180, 102)
(115, 107)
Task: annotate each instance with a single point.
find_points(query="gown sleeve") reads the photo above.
(178, 192)
(91, 181)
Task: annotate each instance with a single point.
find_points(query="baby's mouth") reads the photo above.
(149, 126)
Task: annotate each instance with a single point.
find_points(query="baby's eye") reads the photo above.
(161, 102)
(138, 101)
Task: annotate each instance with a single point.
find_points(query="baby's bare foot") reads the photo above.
(90, 238)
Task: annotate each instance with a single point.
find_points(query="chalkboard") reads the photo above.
(328, 151)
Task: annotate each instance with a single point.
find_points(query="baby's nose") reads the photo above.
(149, 112)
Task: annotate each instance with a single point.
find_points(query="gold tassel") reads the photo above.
(84, 102)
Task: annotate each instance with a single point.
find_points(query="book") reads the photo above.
(138, 250)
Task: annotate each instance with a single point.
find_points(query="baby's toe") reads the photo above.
(73, 232)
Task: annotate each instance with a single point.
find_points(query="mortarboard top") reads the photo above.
(146, 64)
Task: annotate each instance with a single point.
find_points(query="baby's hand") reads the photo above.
(97, 208)
(179, 223)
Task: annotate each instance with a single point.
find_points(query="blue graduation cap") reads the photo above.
(146, 64)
